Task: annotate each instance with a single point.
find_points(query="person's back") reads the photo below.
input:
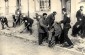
(50, 19)
(30, 21)
(4, 20)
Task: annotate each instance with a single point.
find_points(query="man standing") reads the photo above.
(66, 27)
(43, 28)
(77, 28)
(50, 19)
(79, 14)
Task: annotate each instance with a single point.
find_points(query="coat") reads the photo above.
(28, 21)
(42, 26)
(79, 15)
(66, 21)
(50, 19)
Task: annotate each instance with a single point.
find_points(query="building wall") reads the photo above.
(32, 6)
(75, 5)
(24, 6)
(2, 7)
(12, 6)
(55, 6)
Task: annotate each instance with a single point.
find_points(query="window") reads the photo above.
(45, 5)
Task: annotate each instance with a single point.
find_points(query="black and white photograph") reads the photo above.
(42, 27)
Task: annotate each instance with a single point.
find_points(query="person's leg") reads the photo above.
(30, 29)
(7, 24)
(74, 31)
(40, 38)
(45, 36)
(2, 25)
(62, 37)
(57, 40)
(26, 26)
(83, 31)
(14, 24)
(19, 20)
(67, 38)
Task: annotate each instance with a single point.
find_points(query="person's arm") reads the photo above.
(64, 20)
(66, 16)
(41, 24)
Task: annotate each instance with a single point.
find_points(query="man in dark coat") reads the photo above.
(4, 22)
(28, 24)
(83, 27)
(50, 19)
(14, 21)
(79, 14)
(77, 28)
(18, 16)
(43, 28)
(66, 27)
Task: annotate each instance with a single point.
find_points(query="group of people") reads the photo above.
(48, 29)
(51, 31)
(18, 19)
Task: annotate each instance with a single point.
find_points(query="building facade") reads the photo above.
(40, 6)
